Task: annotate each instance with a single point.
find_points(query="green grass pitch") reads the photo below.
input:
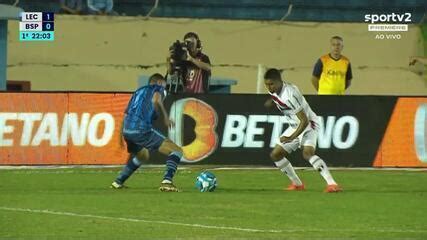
(248, 204)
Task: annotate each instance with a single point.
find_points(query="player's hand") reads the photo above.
(268, 103)
(169, 123)
(284, 139)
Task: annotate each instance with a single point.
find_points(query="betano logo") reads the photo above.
(243, 131)
(30, 129)
(97, 130)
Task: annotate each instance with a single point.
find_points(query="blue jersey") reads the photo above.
(140, 110)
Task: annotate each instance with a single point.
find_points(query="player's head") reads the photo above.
(337, 44)
(273, 80)
(158, 79)
(193, 42)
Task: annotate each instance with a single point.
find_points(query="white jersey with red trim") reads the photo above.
(290, 101)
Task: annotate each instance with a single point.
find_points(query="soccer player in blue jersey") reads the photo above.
(140, 136)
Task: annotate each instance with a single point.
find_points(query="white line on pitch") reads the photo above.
(394, 230)
(136, 220)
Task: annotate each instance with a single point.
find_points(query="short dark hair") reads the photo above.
(273, 74)
(191, 35)
(155, 77)
(337, 37)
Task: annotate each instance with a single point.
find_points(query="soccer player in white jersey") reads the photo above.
(302, 131)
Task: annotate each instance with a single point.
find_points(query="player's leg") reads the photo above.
(153, 140)
(133, 163)
(135, 142)
(308, 143)
(174, 155)
(279, 156)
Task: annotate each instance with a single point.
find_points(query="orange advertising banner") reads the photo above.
(61, 128)
(404, 143)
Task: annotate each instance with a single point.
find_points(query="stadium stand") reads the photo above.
(302, 10)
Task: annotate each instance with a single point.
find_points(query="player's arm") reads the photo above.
(121, 132)
(295, 102)
(415, 59)
(317, 71)
(158, 104)
(315, 82)
(348, 76)
(302, 125)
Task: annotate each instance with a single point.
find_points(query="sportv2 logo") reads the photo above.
(387, 18)
(392, 22)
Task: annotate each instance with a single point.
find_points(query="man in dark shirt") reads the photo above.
(196, 69)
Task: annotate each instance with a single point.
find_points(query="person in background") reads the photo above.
(71, 6)
(332, 73)
(197, 67)
(101, 7)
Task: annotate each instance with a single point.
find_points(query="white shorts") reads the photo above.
(306, 138)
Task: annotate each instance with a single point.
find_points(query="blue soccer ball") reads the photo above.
(206, 182)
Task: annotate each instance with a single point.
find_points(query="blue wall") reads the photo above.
(303, 10)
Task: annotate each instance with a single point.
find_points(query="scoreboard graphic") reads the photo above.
(37, 26)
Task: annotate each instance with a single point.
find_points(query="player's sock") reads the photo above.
(320, 166)
(128, 170)
(171, 166)
(286, 167)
